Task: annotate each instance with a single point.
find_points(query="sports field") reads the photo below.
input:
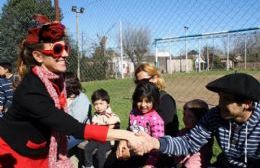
(183, 87)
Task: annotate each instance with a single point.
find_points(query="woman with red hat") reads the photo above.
(33, 131)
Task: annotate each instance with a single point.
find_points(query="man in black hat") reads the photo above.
(235, 123)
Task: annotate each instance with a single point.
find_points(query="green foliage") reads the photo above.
(100, 58)
(97, 66)
(73, 56)
(193, 52)
(217, 63)
(15, 21)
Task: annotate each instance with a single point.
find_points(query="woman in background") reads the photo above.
(78, 104)
(167, 107)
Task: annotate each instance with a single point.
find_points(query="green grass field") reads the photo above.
(181, 86)
(120, 93)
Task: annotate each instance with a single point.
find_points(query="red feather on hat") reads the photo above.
(32, 36)
(41, 19)
(46, 31)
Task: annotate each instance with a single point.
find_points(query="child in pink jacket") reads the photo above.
(192, 113)
(144, 117)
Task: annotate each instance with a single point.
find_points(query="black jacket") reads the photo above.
(27, 125)
(167, 110)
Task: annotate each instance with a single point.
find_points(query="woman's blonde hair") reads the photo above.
(151, 70)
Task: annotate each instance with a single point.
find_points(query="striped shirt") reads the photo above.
(6, 92)
(240, 143)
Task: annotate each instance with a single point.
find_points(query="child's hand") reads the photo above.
(148, 143)
(111, 126)
(126, 153)
(122, 151)
(148, 166)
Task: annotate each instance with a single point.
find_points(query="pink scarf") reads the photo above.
(57, 158)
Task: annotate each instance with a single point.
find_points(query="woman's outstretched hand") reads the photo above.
(146, 143)
(139, 143)
(136, 144)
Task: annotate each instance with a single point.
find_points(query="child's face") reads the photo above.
(100, 106)
(2, 71)
(144, 105)
(189, 119)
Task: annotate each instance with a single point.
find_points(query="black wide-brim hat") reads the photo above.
(241, 85)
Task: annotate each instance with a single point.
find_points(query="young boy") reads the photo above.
(6, 70)
(103, 116)
(6, 86)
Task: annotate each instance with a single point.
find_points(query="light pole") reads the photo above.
(156, 52)
(245, 50)
(186, 53)
(57, 10)
(121, 49)
(228, 52)
(80, 11)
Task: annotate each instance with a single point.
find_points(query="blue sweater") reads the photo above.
(240, 143)
(6, 92)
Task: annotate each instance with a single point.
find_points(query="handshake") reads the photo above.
(136, 144)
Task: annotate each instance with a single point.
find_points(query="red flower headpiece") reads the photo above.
(45, 31)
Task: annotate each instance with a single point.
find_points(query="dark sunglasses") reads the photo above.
(56, 51)
(143, 80)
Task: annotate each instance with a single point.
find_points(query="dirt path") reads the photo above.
(184, 88)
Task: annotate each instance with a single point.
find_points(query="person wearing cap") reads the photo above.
(235, 123)
(33, 131)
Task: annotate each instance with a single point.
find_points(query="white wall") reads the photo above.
(178, 65)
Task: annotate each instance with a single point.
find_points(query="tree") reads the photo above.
(136, 43)
(100, 57)
(193, 52)
(214, 55)
(96, 68)
(15, 20)
(73, 55)
(252, 46)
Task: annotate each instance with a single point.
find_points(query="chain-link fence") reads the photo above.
(191, 42)
(195, 60)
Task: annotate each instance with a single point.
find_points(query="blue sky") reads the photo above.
(164, 18)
